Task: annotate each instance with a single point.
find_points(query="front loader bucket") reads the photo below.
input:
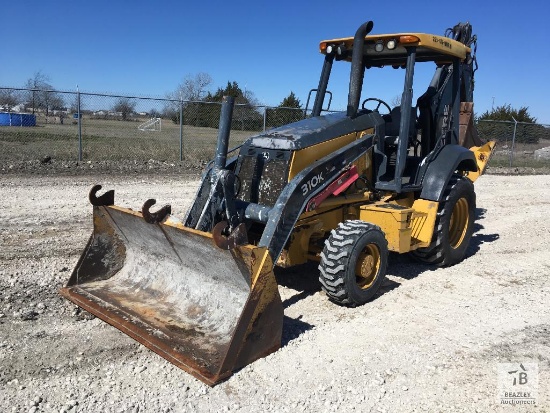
(208, 311)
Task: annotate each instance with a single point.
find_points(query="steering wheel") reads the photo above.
(380, 102)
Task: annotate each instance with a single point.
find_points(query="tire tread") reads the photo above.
(337, 250)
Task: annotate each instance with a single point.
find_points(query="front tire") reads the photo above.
(353, 263)
(453, 227)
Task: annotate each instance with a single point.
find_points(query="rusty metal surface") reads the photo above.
(204, 309)
(154, 217)
(468, 135)
(235, 238)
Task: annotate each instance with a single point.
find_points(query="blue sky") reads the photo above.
(271, 48)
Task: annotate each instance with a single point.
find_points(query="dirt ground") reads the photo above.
(432, 340)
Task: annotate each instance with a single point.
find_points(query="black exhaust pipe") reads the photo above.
(223, 132)
(357, 68)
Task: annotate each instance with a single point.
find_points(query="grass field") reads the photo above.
(114, 140)
(523, 155)
(110, 140)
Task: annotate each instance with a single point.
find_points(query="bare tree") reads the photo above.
(8, 99)
(124, 106)
(55, 101)
(41, 95)
(73, 104)
(193, 87)
(396, 101)
(37, 84)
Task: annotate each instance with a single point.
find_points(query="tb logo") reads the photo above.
(521, 378)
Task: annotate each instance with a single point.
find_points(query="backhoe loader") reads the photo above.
(341, 188)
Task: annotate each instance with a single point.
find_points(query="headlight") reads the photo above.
(341, 50)
(391, 44)
(379, 46)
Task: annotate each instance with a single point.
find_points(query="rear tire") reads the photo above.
(353, 263)
(453, 226)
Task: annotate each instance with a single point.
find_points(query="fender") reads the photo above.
(450, 159)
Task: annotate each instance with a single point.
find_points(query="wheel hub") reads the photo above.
(367, 266)
(458, 223)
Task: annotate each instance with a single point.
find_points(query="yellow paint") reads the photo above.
(332, 202)
(407, 223)
(393, 221)
(257, 259)
(423, 222)
(307, 156)
(458, 226)
(429, 42)
(368, 266)
(482, 154)
(405, 228)
(366, 166)
(315, 224)
(299, 244)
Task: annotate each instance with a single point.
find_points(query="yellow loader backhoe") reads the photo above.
(341, 188)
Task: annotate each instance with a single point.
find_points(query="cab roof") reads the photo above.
(429, 47)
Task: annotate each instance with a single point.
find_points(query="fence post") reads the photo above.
(181, 129)
(513, 141)
(79, 124)
(265, 116)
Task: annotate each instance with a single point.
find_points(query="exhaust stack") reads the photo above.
(226, 116)
(357, 68)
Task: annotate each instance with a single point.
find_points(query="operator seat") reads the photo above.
(426, 120)
(387, 169)
(392, 125)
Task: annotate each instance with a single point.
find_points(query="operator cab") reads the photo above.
(408, 133)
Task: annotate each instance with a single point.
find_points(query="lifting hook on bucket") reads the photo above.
(108, 198)
(154, 217)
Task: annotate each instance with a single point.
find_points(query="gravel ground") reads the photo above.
(431, 341)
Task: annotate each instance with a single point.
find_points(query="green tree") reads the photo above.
(291, 101)
(506, 112)
(288, 111)
(245, 114)
(242, 97)
(204, 109)
(498, 124)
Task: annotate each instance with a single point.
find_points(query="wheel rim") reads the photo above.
(458, 226)
(367, 266)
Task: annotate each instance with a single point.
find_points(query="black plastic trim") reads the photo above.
(450, 159)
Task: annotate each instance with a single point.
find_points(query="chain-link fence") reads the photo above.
(37, 124)
(518, 143)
